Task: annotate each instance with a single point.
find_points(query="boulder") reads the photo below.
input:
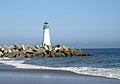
(13, 50)
(23, 47)
(2, 49)
(9, 51)
(41, 51)
(37, 46)
(1, 53)
(52, 54)
(67, 54)
(45, 54)
(17, 46)
(58, 45)
(11, 47)
(6, 49)
(58, 54)
(47, 51)
(38, 54)
(34, 50)
(46, 47)
(4, 46)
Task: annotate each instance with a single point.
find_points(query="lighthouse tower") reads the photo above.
(46, 35)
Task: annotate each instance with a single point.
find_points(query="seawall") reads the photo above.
(40, 51)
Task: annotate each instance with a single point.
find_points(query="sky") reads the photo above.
(77, 23)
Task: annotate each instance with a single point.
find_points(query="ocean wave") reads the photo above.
(103, 72)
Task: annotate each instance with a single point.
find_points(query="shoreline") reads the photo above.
(50, 71)
(7, 64)
(33, 76)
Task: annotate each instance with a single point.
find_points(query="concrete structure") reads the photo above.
(46, 35)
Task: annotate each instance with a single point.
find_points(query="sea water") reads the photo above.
(102, 58)
(104, 62)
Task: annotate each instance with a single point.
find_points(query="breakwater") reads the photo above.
(40, 51)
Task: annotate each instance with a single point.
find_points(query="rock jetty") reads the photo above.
(39, 51)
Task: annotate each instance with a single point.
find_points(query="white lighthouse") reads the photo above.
(46, 35)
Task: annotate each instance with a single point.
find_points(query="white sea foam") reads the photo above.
(104, 72)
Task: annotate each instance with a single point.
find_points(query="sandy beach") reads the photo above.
(24, 76)
(17, 72)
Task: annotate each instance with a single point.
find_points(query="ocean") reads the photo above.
(104, 62)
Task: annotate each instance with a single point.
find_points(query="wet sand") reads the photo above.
(20, 76)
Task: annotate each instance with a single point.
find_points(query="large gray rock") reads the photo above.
(46, 47)
(23, 47)
(11, 46)
(41, 50)
(35, 50)
(1, 53)
(2, 49)
(13, 50)
(58, 45)
(5, 51)
(7, 48)
(37, 46)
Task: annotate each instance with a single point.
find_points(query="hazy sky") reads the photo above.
(82, 23)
